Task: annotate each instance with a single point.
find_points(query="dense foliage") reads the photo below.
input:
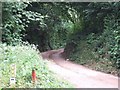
(100, 26)
(25, 57)
(100, 51)
(15, 20)
(87, 30)
(110, 40)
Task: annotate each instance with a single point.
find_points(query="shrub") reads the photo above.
(107, 45)
(112, 38)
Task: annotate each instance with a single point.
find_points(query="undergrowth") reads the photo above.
(25, 57)
(100, 51)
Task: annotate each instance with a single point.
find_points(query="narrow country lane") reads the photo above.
(78, 75)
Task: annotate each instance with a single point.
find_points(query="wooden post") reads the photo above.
(12, 75)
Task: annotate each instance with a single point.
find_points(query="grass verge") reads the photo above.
(25, 57)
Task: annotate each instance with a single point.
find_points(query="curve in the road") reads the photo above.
(78, 75)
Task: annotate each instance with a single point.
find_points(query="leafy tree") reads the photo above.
(53, 25)
(15, 21)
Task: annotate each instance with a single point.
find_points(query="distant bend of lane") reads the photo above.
(78, 75)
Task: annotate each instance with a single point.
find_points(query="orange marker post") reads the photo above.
(33, 76)
(34, 79)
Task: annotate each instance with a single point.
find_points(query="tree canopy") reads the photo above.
(52, 25)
